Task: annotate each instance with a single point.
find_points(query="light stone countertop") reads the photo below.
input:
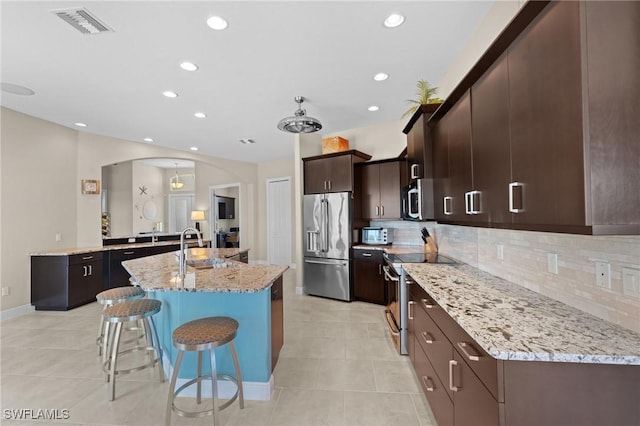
(511, 322)
(391, 248)
(159, 273)
(70, 251)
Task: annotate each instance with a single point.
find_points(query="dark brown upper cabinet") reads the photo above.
(419, 149)
(331, 172)
(380, 193)
(552, 112)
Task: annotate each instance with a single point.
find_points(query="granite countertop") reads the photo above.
(391, 248)
(83, 250)
(511, 322)
(159, 273)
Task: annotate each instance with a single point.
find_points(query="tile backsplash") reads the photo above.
(525, 262)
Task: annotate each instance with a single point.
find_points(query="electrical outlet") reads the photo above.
(603, 274)
(500, 251)
(631, 281)
(552, 263)
(5, 291)
(58, 237)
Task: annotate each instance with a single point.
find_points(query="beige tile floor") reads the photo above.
(337, 367)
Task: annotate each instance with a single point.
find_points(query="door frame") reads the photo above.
(268, 218)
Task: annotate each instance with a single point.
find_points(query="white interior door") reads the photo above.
(180, 207)
(279, 225)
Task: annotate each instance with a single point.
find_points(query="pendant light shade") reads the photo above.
(175, 181)
(299, 122)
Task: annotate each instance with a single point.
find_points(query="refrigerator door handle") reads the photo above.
(325, 223)
(320, 262)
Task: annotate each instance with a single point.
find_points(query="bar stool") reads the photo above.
(111, 297)
(201, 335)
(118, 314)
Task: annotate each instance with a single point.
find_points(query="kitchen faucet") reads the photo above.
(182, 256)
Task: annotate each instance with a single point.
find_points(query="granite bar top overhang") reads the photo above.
(70, 251)
(160, 273)
(511, 322)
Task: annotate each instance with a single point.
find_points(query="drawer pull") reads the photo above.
(391, 322)
(428, 304)
(472, 357)
(428, 383)
(366, 254)
(427, 337)
(452, 363)
(87, 257)
(129, 252)
(410, 311)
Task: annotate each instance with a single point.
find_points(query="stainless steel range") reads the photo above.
(397, 290)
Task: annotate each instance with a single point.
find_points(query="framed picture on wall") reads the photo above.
(90, 186)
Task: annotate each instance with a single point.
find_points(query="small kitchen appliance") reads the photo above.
(377, 236)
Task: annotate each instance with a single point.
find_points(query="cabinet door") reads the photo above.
(491, 146)
(79, 279)
(315, 176)
(415, 149)
(389, 178)
(473, 403)
(369, 282)
(460, 166)
(546, 119)
(94, 281)
(370, 194)
(435, 391)
(441, 183)
(340, 178)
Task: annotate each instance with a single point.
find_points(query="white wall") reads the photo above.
(152, 179)
(381, 141)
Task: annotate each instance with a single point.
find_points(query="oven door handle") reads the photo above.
(391, 322)
(388, 275)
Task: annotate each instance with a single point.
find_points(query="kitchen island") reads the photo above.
(487, 351)
(251, 294)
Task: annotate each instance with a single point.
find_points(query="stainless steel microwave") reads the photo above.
(371, 235)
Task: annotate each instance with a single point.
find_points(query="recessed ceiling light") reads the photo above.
(381, 76)
(373, 108)
(170, 94)
(16, 89)
(393, 20)
(217, 23)
(247, 141)
(194, 148)
(200, 115)
(148, 139)
(188, 66)
(80, 124)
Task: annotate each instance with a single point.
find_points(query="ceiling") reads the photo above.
(248, 76)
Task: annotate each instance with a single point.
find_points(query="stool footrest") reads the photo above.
(118, 372)
(203, 413)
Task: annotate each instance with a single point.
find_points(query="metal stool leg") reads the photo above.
(172, 387)
(214, 384)
(155, 344)
(199, 384)
(236, 365)
(105, 343)
(114, 360)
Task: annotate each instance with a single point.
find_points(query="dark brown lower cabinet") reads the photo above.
(277, 321)
(369, 284)
(465, 386)
(59, 283)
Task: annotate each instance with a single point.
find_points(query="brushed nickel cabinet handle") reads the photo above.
(452, 363)
(84, 268)
(87, 257)
(447, 205)
(512, 188)
(381, 210)
(428, 304)
(428, 338)
(90, 270)
(410, 311)
(472, 357)
(428, 383)
(129, 252)
(414, 171)
(366, 254)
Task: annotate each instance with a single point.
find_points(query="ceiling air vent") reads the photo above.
(82, 20)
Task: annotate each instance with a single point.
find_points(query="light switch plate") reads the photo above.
(603, 274)
(631, 282)
(552, 263)
(5, 291)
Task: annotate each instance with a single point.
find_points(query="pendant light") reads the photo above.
(299, 122)
(175, 181)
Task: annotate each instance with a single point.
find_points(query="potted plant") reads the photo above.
(424, 95)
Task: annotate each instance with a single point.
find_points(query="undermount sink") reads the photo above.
(208, 263)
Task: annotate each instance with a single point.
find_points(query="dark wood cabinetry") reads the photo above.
(369, 284)
(331, 172)
(277, 321)
(65, 282)
(380, 193)
(419, 149)
(226, 207)
(546, 139)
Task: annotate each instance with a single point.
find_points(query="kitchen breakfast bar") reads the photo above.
(217, 286)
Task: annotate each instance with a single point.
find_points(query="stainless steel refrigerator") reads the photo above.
(327, 224)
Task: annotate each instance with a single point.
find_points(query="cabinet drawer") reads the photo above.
(85, 257)
(482, 364)
(436, 393)
(432, 340)
(370, 255)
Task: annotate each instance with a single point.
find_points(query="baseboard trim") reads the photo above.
(16, 312)
(254, 391)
